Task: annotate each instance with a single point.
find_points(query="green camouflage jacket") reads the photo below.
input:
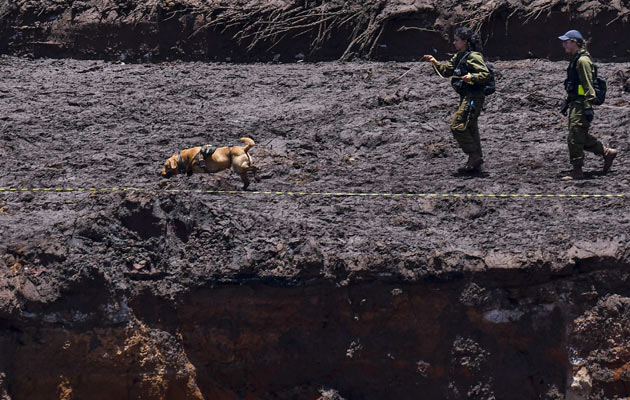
(475, 65)
(586, 73)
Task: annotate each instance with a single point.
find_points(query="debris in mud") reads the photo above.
(330, 394)
(4, 395)
(354, 348)
(622, 77)
(582, 383)
(404, 94)
(438, 148)
(140, 265)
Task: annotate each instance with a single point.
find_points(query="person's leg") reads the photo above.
(465, 130)
(459, 127)
(578, 130)
(473, 124)
(595, 146)
(474, 132)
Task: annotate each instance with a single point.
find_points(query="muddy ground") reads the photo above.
(318, 127)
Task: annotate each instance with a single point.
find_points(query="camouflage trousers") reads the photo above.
(579, 139)
(464, 122)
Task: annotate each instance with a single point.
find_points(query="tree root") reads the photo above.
(258, 23)
(263, 24)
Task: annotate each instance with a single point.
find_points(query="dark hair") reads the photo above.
(467, 34)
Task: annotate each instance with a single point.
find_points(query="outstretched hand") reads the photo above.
(430, 59)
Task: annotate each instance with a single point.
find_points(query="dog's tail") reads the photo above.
(248, 142)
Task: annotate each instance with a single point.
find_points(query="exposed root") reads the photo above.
(267, 25)
(539, 8)
(262, 25)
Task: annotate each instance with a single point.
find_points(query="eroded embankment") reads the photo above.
(153, 297)
(462, 339)
(291, 30)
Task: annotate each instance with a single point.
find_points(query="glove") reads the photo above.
(565, 108)
(589, 114)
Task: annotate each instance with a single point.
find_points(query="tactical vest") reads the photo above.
(575, 89)
(461, 69)
(572, 83)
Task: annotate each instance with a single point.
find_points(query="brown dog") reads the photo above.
(209, 159)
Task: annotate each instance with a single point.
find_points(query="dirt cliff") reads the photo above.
(290, 30)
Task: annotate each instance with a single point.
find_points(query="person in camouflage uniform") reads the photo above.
(579, 103)
(468, 72)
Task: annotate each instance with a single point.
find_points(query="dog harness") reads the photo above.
(205, 153)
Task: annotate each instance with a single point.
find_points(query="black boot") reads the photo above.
(474, 162)
(576, 174)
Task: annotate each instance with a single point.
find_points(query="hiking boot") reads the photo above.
(576, 174)
(609, 156)
(472, 165)
(474, 162)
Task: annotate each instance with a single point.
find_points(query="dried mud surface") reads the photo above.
(162, 274)
(318, 128)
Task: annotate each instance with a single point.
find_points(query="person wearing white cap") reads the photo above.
(581, 97)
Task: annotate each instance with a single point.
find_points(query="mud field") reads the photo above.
(318, 128)
(155, 294)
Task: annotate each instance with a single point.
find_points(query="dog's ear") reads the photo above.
(172, 163)
(170, 167)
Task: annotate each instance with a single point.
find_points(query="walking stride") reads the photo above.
(581, 97)
(469, 77)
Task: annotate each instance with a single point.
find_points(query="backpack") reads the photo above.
(460, 70)
(601, 87)
(490, 86)
(571, 84)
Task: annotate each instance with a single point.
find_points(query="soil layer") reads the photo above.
(288, 30)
